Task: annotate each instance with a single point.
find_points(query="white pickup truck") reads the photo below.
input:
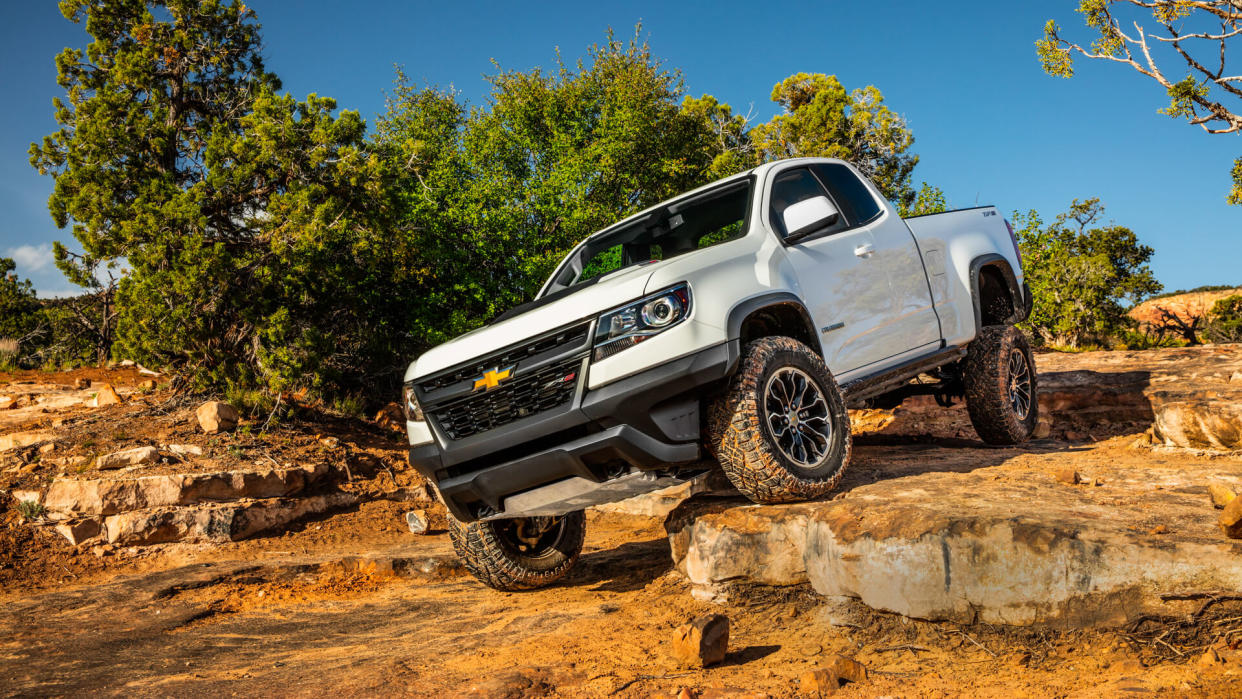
(726, 328)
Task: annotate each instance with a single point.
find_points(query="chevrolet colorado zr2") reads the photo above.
(729, 327)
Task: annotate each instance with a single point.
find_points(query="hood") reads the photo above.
(612, 291)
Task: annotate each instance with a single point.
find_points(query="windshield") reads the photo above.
(702, 220)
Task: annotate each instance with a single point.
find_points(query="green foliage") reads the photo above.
(31, 510)
(19, 307)
(929, 200)
(1224, 321)
(1199, 33)
(1082, 278)
(822, 119)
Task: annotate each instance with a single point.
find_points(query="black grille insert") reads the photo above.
(563, 340)
(526, 394)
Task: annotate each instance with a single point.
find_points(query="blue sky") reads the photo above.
(990, 126)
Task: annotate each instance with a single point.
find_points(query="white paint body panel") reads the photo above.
(901, 300)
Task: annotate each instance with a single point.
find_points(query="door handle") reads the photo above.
(865, 250)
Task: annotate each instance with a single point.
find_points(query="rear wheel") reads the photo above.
(522, 553)
(781, 433)
(1000, 385)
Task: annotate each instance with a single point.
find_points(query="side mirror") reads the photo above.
(808, 215)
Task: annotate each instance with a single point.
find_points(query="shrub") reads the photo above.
(1224, 321)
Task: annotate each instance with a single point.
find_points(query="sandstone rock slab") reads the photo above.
(702, 642)
(18, 440)
(128, 457)
(217, 522)
(68, 497)
(969, 547)
(105, 395)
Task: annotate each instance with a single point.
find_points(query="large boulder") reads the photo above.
(976, 546)
(1205, 423)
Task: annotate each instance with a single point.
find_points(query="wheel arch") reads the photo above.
(992, 279)
(777, 313)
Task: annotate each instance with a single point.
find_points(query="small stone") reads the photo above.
(417, 521)
(35, 496)
(47, 448)
(217, 416)
(1231, 519)
(82, 383)
(185, 450)
(330, 442)
(129, 457)
(1043, 428)
(80, 531)
(1210, 658)
(1236, 377)
(148, 385)
(1159, 529)
(7, 402)
(391, 417)
(106, 395)
(1073, 436)
(847, 669)
(819, 682)
(1221, 494)
(702, 642)
(1067, 476)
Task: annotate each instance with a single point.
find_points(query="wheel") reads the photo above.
(781, 433)
(1000, 385)
(519, 554)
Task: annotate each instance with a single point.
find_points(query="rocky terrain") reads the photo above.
(278, 558)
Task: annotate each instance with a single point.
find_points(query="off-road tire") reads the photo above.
(986, 374)
(742, 441)
(483, 550)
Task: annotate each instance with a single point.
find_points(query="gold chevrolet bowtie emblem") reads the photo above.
(492, 378)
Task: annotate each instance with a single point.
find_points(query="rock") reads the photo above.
(129, 457)
(47, 448)
(1221, 494)
(417, 521)
(1236, 377)
(391, 417)
(106, 395)
(1067, 476)
(216, 416)
(330, 442)
(702, 642)
(147, 372)
(1158, 530)
(1209, 658)
(217, 522)
(18, 440)
(34, 496)
(847, 669)
(1203, 423)
(1073, 436)
(70, 498)
(184, 450)
(7, 402)
(125, 363)
(80, 530)
(964, 547)
(819, 682)
(148, 385)
(1043, 428)
(81, 383)
(1231, 519)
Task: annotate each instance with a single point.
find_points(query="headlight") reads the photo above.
(631, 324)
(413, 412)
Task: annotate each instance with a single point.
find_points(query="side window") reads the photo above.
(791, 187)
(853, 196)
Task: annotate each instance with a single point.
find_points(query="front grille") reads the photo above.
(569, 337)
(525, 395)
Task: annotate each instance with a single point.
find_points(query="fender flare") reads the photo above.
(743, 309)
(1020, 295)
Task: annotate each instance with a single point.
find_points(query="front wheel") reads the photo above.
(781, 433)
(1000, 385)
(521, 553)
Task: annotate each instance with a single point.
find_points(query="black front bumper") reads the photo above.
(648, 421)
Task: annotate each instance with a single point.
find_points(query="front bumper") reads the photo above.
(646, 422)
